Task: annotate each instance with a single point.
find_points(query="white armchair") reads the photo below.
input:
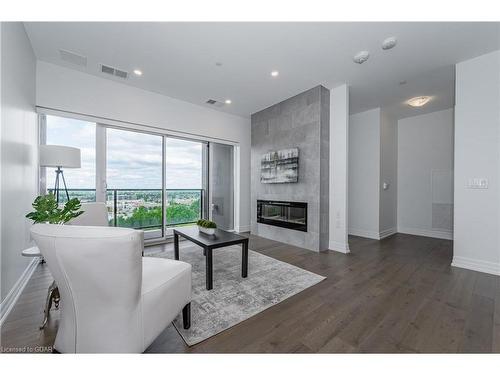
(96, 214)
(112, 299)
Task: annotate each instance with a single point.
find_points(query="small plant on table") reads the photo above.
(206, 226)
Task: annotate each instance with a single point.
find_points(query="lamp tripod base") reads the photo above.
(57, 189)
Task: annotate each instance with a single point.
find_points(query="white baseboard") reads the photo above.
(387, 232)
(11, 298)
(364, 233)
(341, 247)
(443, 234)
(476, 265)
(372, 234)
(242, 228)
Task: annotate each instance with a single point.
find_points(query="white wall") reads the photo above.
(416, 165)
(388, 174)
(477, 148)
(73, 91)
(19, 150)
(364, 173)
(339, 150)
(425, 174)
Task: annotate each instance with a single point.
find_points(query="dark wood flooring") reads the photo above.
(398, 295)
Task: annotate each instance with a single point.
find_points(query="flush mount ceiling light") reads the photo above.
(418, 101)
(275, 73)
(228, 101)
(361, 57)
(138, 72)
(389, 43)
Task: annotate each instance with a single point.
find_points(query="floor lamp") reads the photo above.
(60, 157)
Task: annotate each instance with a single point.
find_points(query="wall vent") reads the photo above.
(121, 73)
(214, 103)
(114, 71)
(72, 57)
(107, 69)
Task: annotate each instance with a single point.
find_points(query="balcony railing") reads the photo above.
(143, 208)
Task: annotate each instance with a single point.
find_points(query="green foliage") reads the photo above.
(179, 213)
(206, 224)
(48, 211)
(176, 213)
(141, 217)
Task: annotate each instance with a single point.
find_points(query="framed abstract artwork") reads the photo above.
(278, 167)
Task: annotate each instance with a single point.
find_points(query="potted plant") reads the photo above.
(206, 226)
(48, 211)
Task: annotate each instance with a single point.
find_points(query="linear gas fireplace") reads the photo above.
(292, 215)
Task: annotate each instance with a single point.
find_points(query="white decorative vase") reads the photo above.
(209, 231)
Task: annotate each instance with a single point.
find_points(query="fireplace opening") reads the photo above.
(291, 215)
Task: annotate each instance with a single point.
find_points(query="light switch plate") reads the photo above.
(477, 183)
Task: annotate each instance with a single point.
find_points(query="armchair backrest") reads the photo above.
(99, 274)
(94, 213)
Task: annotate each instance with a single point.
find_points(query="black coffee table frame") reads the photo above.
(208, 243)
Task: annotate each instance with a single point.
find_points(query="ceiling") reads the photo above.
(179, 59)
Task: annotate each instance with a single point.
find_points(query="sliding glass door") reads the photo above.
(222, 185)
(185, 179)
(134, 181)
(154, 182)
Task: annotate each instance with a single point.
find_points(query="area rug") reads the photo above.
(234, 299)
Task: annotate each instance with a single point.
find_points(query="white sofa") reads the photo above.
(112, 299)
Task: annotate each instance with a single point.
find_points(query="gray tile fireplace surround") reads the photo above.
(303, 122)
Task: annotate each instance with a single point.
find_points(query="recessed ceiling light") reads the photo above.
(418, 101)
(138, 72)
(275, 73)
(389, 43)
(228, 101)
(361, 57)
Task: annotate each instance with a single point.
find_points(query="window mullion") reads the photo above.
(100, 164)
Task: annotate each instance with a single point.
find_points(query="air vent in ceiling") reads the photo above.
(214, 103)
(72, 57)
(114, 71)
(107, 69)
(121, 73)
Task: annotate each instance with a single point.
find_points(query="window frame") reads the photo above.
(101, 162)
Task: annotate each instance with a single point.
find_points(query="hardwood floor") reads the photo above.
(398, 295)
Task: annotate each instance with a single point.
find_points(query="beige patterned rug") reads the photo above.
(234, 299)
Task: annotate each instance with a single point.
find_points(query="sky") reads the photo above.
(133, 159)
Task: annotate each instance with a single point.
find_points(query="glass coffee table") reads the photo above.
(221, 238)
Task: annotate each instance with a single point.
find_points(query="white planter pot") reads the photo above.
(209, 231)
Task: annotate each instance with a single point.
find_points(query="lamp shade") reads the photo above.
(59, 156)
